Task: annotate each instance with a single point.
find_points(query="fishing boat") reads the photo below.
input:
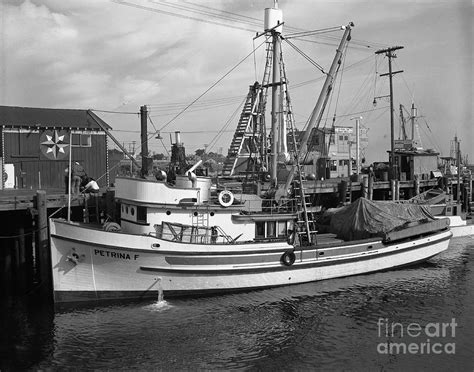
(185, 238)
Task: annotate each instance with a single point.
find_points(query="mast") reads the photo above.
(273, 22)
(144, 139)
(413, 122)
(321, 102)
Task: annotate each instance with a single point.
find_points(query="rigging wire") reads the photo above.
(157, 132)
(205, 92)
(313, 32)
(211, 87)
(222, 20)
(314, 63)
(226, 125)
(155, 10)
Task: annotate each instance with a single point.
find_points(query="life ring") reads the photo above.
(226, 198)
(288, 258)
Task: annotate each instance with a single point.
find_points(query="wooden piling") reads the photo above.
(397, 190)
(6, 273)
(343, 187)
(42, 246)
(392, 186)
(365, 187)
(417, 185)
(371, 187)
(21, 272)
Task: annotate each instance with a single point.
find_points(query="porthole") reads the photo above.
(132, 210)
(212, 214)
(168, 213)
(126, 209)
(195, 214)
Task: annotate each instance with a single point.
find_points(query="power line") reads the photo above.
(116, 112)
(211, 87)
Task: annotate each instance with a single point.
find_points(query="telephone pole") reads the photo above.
(389, 53)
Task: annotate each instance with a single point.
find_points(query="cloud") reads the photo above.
(107, 55)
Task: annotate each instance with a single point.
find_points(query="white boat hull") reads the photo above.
(93, 264)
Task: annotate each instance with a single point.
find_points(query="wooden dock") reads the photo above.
(22, 199)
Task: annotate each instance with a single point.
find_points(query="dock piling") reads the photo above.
(43, 253)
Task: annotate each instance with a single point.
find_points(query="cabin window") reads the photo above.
(126, 209)
(259, 229)
(333, 165)
(282, 229)
(141, 214)
(271, 229)
(133, 211)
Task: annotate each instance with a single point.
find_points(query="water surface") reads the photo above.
(325, 325)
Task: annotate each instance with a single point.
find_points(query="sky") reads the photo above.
(115, 56)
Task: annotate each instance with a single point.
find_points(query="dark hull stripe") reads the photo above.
(242, 271)
(71, 297)
(224, 253)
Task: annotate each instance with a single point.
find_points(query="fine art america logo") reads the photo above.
(415, 338)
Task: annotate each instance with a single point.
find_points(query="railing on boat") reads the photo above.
(177, 232)
(269, 206)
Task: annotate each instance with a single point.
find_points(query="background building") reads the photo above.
(35, 147)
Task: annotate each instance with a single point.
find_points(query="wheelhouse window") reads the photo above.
(271, 229)
(282, 231)
(260, 230)
(141, 214)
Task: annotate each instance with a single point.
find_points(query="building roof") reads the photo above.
(19, 117)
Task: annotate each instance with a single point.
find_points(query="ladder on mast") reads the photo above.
(249, 140)
(304, 226)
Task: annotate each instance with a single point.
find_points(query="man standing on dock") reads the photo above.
(78, 173)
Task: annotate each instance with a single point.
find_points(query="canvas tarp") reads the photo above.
(367, 218)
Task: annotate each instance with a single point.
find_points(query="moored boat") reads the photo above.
(163, 245)
(184, 239)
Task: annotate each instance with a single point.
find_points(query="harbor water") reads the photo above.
(415, 318)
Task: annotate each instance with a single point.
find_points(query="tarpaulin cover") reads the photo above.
(367, 218)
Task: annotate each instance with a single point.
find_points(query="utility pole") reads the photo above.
(357, 119)
(389, 53)
(458, 164)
